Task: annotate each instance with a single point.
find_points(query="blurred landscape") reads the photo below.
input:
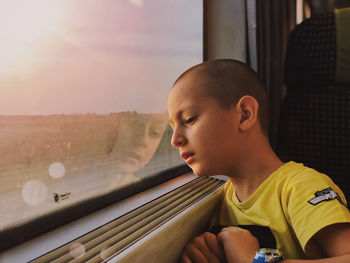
(29, 144)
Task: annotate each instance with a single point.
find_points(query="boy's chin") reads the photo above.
(199, 172)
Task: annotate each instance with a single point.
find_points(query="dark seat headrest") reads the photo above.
(318, 52)
(342, 21)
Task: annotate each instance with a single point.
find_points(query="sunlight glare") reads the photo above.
(21, 23)
(138, 3)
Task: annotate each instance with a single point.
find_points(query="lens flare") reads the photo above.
(77, 250)
(34, 192)
(57, 170)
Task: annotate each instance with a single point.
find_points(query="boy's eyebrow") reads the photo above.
(177, 117)
(180, 112)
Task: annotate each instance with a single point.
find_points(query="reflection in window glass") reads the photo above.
(83, 88)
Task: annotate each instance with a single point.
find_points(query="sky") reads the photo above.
(94, 56)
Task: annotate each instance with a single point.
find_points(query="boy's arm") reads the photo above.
(209, 248)
(334, 240)
(205, 248)
(240, 246)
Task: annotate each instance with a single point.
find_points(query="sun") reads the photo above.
(23, 22)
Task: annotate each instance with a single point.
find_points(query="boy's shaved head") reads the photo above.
(227, 81)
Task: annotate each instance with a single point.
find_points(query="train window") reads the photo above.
(83, 88)
(300, 4)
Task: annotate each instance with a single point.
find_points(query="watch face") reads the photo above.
(267, 255)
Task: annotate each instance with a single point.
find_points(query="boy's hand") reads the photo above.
(239, 244)
(205, 248)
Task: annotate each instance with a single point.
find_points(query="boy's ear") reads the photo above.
(248, 108)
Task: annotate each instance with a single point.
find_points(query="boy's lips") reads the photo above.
(188, 157)
(132, 157)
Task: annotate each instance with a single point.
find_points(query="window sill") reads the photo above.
(154, 246)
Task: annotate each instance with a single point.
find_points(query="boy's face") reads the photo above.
(138, 138)
(206, 135)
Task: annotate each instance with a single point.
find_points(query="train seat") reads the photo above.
(314, 126)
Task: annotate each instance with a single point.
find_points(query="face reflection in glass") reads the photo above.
(136, 141)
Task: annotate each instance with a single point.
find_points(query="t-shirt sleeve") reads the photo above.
(314, 202)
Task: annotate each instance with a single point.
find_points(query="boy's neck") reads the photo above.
(253, 171)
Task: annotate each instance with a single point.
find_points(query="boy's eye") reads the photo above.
(190, 120)
(154, 133)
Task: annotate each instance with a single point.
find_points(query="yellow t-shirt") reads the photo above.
(292, 204)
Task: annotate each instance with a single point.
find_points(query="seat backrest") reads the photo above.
(314, 125)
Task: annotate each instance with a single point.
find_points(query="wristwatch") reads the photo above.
(268, 255)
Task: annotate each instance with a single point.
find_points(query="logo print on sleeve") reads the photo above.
(325, 195)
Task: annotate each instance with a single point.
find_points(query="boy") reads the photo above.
(218, 112)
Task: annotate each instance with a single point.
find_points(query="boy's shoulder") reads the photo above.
(301, 182)
(298, 173)
(293, 180)
(291, 172)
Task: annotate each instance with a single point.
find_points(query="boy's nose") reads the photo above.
(177, 139)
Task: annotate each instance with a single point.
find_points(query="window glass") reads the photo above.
(83, 88)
